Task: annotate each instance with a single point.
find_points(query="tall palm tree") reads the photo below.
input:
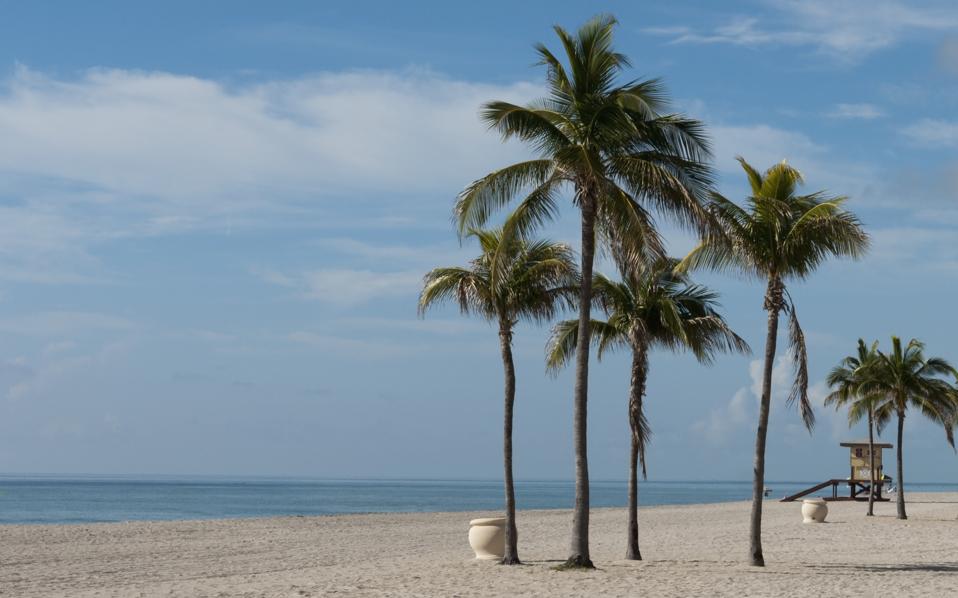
(653, 306)
(848, 379)
(778, 236)
(619, 153)
(536, 278)
(906, 378)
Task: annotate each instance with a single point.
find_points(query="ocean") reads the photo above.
(89, 499)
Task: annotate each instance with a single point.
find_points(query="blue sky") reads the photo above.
(214, 221)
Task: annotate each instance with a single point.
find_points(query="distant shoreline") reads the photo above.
(87, 501)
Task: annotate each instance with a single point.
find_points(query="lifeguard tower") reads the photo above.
(859, 479)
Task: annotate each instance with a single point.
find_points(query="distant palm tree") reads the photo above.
(652, 307)
(848, 379)
(779, 236)
(614, 147)
(903, 378)
(536, 277)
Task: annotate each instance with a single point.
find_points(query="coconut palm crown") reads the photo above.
(615, 150)
(778, 236)
(653, 306)
(536, 279)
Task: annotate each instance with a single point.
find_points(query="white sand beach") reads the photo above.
(689, 550)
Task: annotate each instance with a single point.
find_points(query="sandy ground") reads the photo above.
(689, 550)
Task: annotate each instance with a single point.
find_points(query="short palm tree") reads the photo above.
(779, 236)
(848, 379)
(905, 378)
(652, 307)
(614, 147)
(536, 278)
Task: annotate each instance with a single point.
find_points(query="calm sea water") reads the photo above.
(55, 499)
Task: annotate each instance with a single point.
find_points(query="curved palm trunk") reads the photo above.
(871, 459)
(511, 554)
(900, 498)
(773, 303)
(579, 556)
(637, 391)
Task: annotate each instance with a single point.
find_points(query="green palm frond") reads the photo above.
(490, 193)
(655, 306)
(904, 378)
(779, 232)
(536, 280)
(560, 348)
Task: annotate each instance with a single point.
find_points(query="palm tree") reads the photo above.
(779, 236)
(652, 307)
(614, 147)
(903, 378)
(848, 379)
(537, 277)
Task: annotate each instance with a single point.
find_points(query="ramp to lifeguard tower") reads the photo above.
(858, 490)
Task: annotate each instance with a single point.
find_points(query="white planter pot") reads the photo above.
(488, 537)
(814, 510)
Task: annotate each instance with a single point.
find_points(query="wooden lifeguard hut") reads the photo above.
(859, 479)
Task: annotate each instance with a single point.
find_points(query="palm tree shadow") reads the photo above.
(914, 567)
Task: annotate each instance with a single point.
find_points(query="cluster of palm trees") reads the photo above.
(620, 155)
(879, 386)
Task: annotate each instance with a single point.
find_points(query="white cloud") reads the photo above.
(846, 29)
(739, 415)
(933, 133)
(344, 287)
(116, 153)
(761, 145)
(424, 255)
(443, 327)
(347, 287)
(856, 111)
(911, 246)
(183, 139)
(328, 342)
(719, 427)
(50, 371)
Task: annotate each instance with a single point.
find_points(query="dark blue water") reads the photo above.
(48, 499)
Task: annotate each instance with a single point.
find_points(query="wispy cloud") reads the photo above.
(344, 287)
(933, 132)
(856, 111)
(846, 29)
(948, 55)
(406, 253)
(763, 145)
(58, 323)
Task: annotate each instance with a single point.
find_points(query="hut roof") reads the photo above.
(854, 443)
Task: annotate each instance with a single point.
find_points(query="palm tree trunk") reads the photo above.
(580, 518)
(511, 554)
(773, 304)
(871, 458)
(900, 495)
(637, 391)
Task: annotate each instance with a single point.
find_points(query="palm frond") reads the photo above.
(490, 193)
(799, 351)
